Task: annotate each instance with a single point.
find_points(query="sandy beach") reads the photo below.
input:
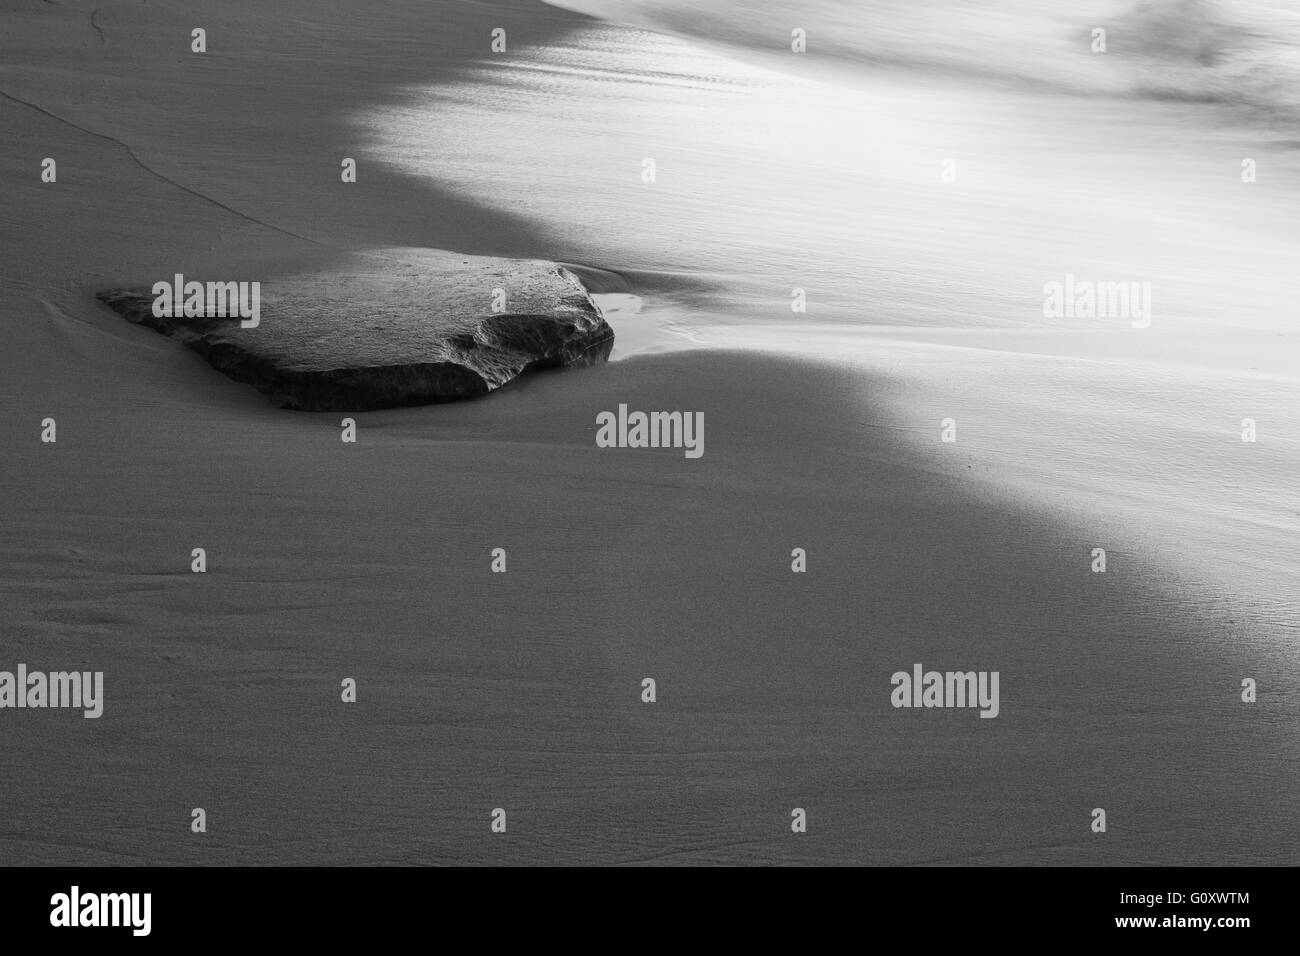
(478, 690)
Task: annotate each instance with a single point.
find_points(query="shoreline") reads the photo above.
(373, 560)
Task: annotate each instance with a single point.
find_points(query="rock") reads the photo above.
(403, 327)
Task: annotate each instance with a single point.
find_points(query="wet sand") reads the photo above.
(522, 690)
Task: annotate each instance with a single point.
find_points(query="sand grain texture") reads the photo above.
(521, 690)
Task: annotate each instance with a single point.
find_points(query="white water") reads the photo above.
(777, 171)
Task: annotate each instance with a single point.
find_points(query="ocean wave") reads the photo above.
(1230, 51)
(1239, 52)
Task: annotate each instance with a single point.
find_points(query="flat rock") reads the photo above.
(401, 327)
